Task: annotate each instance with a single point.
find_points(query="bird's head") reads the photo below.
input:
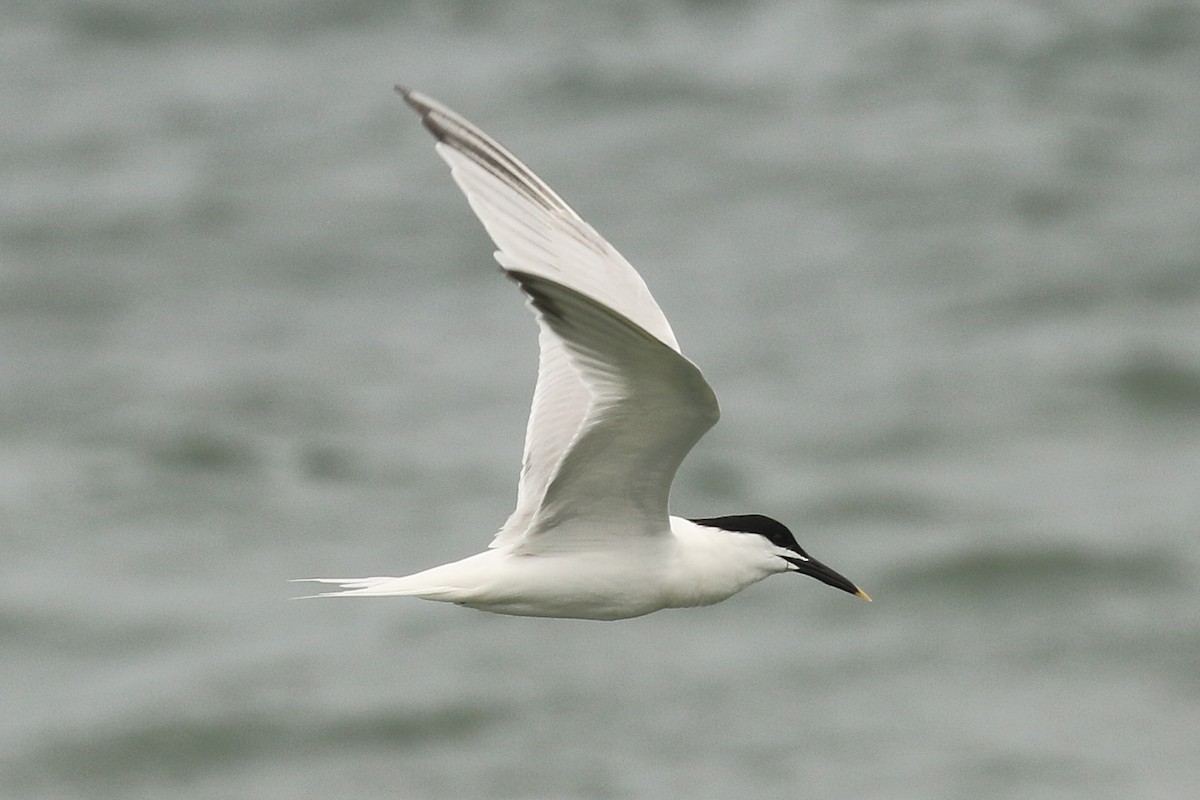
(783, 545)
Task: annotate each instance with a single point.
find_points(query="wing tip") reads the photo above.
(426, 107)
(414, 99)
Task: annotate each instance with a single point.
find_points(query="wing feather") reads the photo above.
(533, 228)
(561, 259)
(647, 408)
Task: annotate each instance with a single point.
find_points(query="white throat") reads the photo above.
(710, 564)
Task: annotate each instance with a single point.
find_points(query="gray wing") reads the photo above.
(538, 234)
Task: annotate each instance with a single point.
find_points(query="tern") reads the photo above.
(616, 407)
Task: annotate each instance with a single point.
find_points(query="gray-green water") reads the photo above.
(941, 262)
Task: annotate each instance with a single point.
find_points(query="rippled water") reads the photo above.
(941, 262)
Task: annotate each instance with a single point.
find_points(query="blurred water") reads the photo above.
(941, 263)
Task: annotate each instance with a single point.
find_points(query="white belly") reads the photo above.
(592, 586)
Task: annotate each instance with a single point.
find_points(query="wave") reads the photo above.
(180, 748)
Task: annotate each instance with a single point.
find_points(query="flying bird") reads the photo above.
(616, 407)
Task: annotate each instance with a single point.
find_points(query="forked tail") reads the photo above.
(374, 587)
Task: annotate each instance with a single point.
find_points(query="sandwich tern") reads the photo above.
(616, 407)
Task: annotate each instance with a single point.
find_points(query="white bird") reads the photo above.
(615, 409)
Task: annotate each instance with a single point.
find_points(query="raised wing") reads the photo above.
(535, 230)
(540, 235)
(648, 406)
